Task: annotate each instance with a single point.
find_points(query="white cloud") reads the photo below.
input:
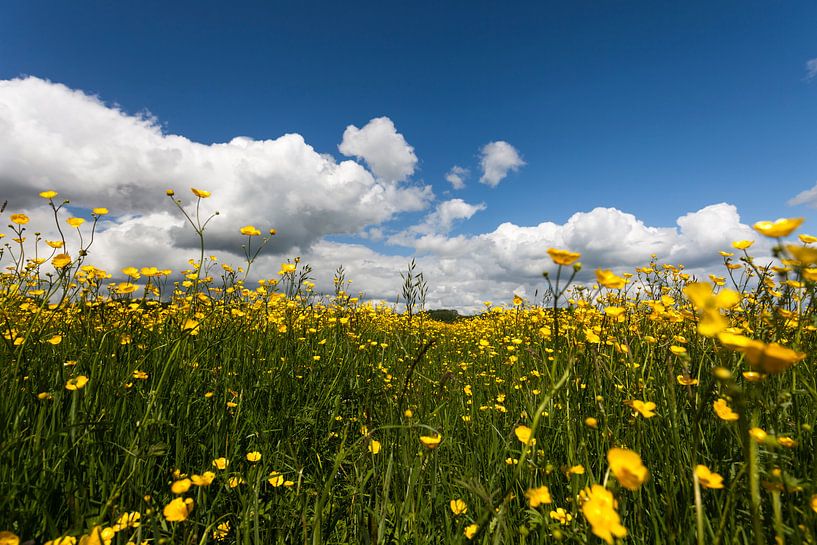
(53, 137)
(497, 159)
(811, 69)
(383, 148)
(807, 197)
(456, 176)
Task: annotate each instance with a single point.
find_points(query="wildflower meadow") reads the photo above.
(146, 405)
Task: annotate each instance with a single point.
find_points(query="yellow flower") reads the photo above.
(374, 446)
(287, 268)
(813, 503)
(55, 340)
(591, 422)
(250, 231)
(538, 496)
(253, 456)
(563, 257)
(75, 222)
(772, 357)
(524, 434)
(180, 486)
(178, 510)
(275, 479)
(431, 441)
(780, 228)
(76, 383)
(807, 239)
(192, 326)
(19, 219)
(472, 529)
(707, 478)
(599, 508)
(644, 408)
(575, 470)
(200, 193)
(48, 194)
(60, 261)
(458, 507)
(708, 306)
(560, 515)
(101, 211)
(723, 411)
(517, 300)
(758, 434)
(742, 244)
(221, 531)
(626, 465)
(221, 463)
(56, 244)
(686, 381)
(610, 280)
(8, 538)
(678, 350)
(205, 479)
(64, 540)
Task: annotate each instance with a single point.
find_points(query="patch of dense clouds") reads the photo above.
(497, 159)
(52, 137)
(384, 149)
(456, 176)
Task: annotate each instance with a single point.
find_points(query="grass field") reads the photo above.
(651, 407)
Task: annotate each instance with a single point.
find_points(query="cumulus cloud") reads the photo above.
(53, 137)
(497, 160)
(384, 149)
(456, 176)
(811, 69)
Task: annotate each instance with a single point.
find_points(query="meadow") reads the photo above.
(192, 407)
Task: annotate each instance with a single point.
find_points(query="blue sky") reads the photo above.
(656, 109)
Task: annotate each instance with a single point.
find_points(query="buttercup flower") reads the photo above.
(707, 478)
(178, 510)
(626, 465)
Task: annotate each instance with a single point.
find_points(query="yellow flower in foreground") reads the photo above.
(599, 508)
(645, 408)
(742, 244)
(56, 244)
(221, 463)
(707, 478)
(758, 434)
(524, 434)
(610, 280)
(101, 211)
(563, 257)
(591, 422)
(780, 228)
(538, 496)
(772, 357)
(431, 441)
(48, 194)
(8, 538)
(374, 446)
(458, 507)
(60, 261)
(75, 222)
(178, 510)
(19, 219)
(807, 239)
(76, 383)
(626, 465)
(471, 530)
(253, 456)
(55, 340)
(200, 193)
(181, 486)
(191, 325)
(250, 231)
(723, 411)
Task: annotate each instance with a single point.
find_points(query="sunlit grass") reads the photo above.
(649, 407)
